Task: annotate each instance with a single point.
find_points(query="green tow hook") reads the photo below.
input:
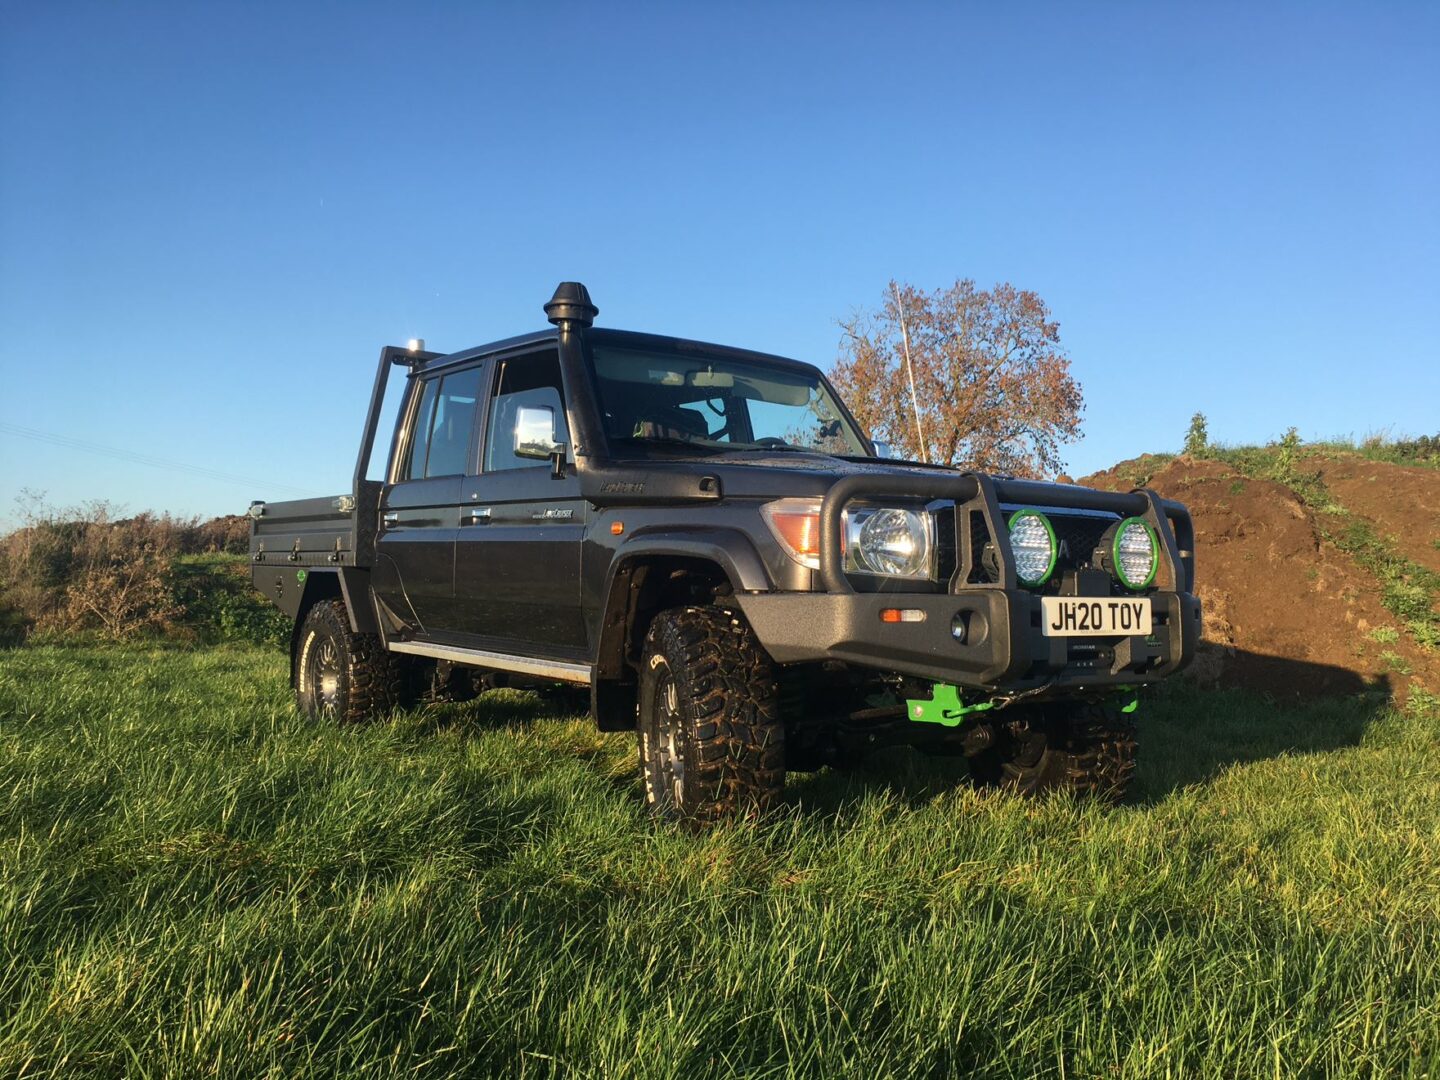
(944, 707)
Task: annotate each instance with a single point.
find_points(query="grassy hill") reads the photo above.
(194, 881)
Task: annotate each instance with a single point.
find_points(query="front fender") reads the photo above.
(729, 549)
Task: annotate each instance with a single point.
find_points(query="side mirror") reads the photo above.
(535, 433)
(881, 449)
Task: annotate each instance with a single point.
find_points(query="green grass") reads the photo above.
(194, 881)
(1395, 662)
(1404, 450)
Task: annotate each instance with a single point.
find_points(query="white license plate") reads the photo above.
(1090, 616)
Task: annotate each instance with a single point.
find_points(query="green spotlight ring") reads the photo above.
(1154, 554)
(1054, 546)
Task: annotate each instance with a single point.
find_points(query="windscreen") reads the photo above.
(652, 401)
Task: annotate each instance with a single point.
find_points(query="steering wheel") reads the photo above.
(770, 440)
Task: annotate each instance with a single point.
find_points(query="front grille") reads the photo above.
(1077, 534)
(1078, 537)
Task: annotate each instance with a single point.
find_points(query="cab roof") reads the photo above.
(623, 339)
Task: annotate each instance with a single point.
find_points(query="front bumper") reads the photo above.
(1004, 647)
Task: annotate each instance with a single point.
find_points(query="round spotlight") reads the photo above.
(1032, 540)
(1133, 553)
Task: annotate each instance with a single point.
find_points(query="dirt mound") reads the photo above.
(1285, 611)
(1401, 501)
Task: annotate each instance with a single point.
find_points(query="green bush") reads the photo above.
(1197, 439)
(1286, 453)
(1422, 451)
(14, 626)
(220, 603)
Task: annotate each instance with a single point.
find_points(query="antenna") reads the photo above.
(910, 372)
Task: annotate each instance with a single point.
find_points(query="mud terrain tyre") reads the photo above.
(711, 742)
(341, 675)
(1063, 746)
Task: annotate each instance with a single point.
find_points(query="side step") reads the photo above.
(558, 670)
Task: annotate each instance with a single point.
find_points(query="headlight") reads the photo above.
(1132, 553)
(888, 541)
(1032, 540)
(880, 540)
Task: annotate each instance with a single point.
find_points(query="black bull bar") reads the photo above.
(977, 494)
(1004, 647)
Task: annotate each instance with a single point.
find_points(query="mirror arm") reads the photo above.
(557, 463)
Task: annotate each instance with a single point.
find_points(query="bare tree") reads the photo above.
(978, 375)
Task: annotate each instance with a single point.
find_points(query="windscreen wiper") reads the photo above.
(781, 448)
(665, 442)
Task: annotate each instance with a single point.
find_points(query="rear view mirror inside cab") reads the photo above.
(718, 380)
(780, 391)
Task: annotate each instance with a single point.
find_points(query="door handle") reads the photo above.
(390, 518)
(477, 515)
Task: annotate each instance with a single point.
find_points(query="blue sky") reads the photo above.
(213, 215)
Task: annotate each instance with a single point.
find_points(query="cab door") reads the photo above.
(414, 571)
(521, 531)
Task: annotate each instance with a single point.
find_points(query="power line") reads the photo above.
(146, 459)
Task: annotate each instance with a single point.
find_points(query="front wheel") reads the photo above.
(711, 742)
(343, 675)
(1085, 748)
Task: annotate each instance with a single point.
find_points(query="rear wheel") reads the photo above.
(711, 742)
(343, 675)
(1060, 746)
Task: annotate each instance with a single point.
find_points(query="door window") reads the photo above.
(524, 381)
(443, 423)
(420, 442)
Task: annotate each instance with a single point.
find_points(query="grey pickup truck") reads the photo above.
(704, 538)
